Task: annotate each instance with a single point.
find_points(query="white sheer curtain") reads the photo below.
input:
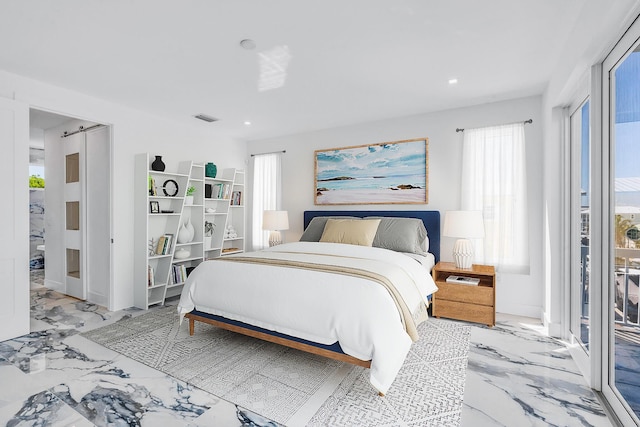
(494, 182)
(266, 194)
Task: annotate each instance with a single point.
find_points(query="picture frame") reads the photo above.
(154, 207)
(394, 172)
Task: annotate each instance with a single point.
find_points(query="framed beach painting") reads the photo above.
(382, 173)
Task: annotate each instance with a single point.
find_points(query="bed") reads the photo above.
(355, 301)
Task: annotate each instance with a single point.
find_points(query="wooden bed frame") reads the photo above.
(309, 348)
(431, 221)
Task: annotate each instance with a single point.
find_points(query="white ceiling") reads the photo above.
(351, 61)
(46, 120)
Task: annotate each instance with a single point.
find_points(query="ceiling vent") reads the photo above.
(206, 118)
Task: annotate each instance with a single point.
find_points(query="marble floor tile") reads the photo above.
(125, 392)
(517, 376)
(85, 384)
(42, 409)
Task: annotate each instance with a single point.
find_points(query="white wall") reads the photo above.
(36, 138)
(133, 132)
(516, 294)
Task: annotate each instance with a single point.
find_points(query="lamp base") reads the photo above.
(463, 253)
(275, 238)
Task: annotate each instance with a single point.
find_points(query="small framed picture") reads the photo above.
(154, 207)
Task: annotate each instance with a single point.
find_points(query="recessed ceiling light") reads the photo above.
(247, 123)
(453, 81)
(248, 44)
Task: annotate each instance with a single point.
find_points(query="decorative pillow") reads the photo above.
(402, 235)
(351, 231)
(314, 230)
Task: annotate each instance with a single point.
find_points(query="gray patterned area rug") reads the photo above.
(296, 388)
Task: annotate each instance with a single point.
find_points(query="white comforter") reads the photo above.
(318, 306)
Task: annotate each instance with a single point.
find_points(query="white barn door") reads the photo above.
(14, 220)
(75, 218)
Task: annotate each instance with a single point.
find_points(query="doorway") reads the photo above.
(77, 205)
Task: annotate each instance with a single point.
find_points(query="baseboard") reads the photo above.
(98, 299)
(555, 328)
(54, 285)
(522, 310)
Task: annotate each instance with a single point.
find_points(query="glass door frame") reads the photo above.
(573, 205)
(606, 200)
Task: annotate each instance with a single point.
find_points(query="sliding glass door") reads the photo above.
(621, 216)
(580, 226)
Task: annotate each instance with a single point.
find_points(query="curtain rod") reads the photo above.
(80, 129)
(272, 152)
(525, 122)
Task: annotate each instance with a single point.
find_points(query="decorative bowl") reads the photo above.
(182, 254)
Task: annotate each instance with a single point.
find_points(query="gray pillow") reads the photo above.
(401, 235)
(314, 230)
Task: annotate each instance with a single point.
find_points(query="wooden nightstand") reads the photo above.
(473, 303)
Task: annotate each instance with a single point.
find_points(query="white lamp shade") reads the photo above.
(463, 224)
(275, 220)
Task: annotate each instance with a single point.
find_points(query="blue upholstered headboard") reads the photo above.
(431, 220)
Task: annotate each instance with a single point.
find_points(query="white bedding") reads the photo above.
(318, 306)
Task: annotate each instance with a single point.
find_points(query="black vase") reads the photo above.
(158, 164)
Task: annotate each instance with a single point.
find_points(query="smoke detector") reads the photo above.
(248, 44)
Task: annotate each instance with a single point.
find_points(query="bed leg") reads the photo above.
(381, 394)
(192, 324)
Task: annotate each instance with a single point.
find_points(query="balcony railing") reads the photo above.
(627, 286)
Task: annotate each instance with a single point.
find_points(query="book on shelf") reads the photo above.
(221, 191)
(160, 247)
(463, 280)
(167, 243)
(217, 191)
(178, 274)
(153, 190)
(236, 198)
(164, 244)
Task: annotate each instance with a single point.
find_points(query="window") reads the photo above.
(266, 194)
(624, 271)
(494, 182)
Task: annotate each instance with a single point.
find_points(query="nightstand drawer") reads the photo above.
(463, 311)
(478, 295)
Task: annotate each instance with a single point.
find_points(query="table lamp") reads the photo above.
(275, 221)
(464, 225)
